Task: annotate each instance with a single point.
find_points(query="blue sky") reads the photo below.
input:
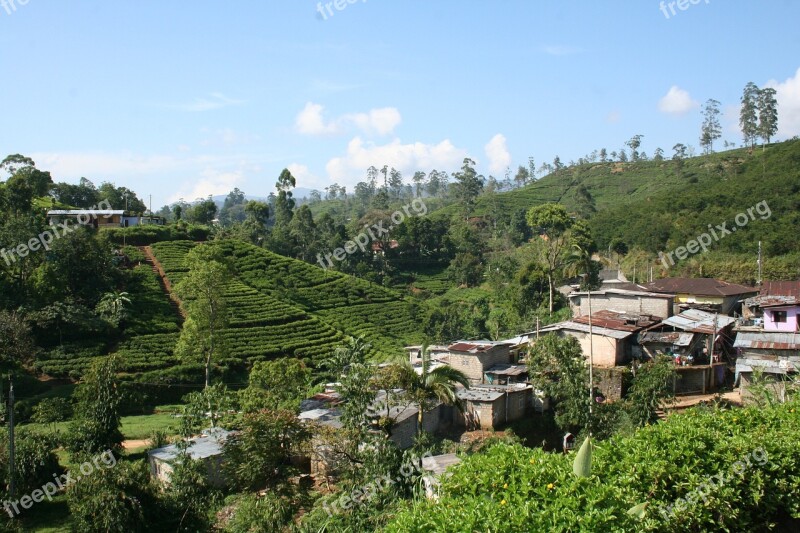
(185, 99)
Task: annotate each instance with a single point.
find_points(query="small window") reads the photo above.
(779, 316)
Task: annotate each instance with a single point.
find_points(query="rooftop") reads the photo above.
(571, 325)
(696, 321)
(698, 286)
(767, 340)
(474, 346)
(508, 370)
(437, 464)
(619, 321)
(780, 288)
(208, 444)
(97, 212)
(677, 338)
(770, 300)
(628, 289)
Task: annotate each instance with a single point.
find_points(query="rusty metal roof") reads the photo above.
(619, 321)
(780, 288)
(696, 321)
(767, 340)
(698, 286)
(473, 346)
(677, 338)
(772, 301)
(596, 330)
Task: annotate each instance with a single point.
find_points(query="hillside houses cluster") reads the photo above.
(717, 333)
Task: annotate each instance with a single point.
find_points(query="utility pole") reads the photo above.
(11, 470)
(758, 282)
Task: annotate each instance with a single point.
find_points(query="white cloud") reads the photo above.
(380, 121)
(311, 122)
(213, 101)
(613, 117)
(677, 102)
(212, 182)
(303, 176)
(407, 158)
(498, 155)
(788, 96)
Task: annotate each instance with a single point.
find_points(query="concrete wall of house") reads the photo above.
(612, 382)
(789, 326)
(473, 366)
(491, 415)
(403, 432)
(607, 352)
(773, 383)
(690, 380)
(635, 305)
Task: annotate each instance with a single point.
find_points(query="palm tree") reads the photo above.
(430, 386)
(112, 306)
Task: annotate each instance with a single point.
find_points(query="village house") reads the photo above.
(768, 338)
(474, 358)
(613, 335)
(699, 342)
(491, 406)
(623, 300)
(706, 294)
(102, 218)
(208, 448)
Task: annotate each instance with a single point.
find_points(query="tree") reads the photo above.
(469, 184)
(431, 385)
(114, 499)
(278, 384)
(678, 157)
(203, 212)
(711, 129)
(651, 385)
(16, 343)
(465, 269)
(658, 155)
(558, 367)
(211, 405)
(112, 307)
(418, 179)
(767, 114)
(748, 114)
(259, 454)
(284, 205)
(52, 410)
(96, 427)
(634, 143)
(551, 222)
(603, 155)
(202, 293)
(522, 176)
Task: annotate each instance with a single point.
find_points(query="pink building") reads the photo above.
(781, 318)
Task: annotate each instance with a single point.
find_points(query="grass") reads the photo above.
(49, 517)
(133, 427)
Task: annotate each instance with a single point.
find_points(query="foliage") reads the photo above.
(270, 513)
(651, 386)
(209, 406)
(97, 420)
(188, 500)
(279, 384)
(558, 368)
(52, 410)
(519, 489)
(259, 454)
(121, 498)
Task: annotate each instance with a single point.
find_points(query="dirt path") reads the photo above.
(132, 444)
(165, 283)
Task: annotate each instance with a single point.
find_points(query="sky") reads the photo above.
(181, 100)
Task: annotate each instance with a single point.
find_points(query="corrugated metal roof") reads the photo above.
(620, 321)
(596, 330)
(767, 340)
(472, 346)
(508, 370)
(772, 301)
(780, 288)
(208, 445)
(698, 286)
(697, 321)
(478, 395)
(771, 366)
(677, 338)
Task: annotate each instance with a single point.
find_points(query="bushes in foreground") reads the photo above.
(735, 470)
